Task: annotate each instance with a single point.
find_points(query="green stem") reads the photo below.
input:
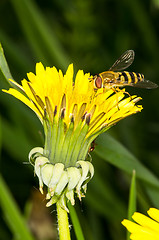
(64, 232)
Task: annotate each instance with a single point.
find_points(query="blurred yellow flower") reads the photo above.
(73, 115)
(146, 228)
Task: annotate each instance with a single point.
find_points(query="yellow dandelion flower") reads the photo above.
(73, 115)
(145, 227)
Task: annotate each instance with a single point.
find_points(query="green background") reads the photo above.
(92, 35)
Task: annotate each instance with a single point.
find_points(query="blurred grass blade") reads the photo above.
(116, 154)
(132, 197)
(153, 194)
(112, 151)
(143, 19)
(4, 66)
(12, 213)
(6, 72)
(15, 54)
(22, 142)
(76, 223)
(132, 200)
(156, 2)
(42, 40)
(108, 198)
(99, 205)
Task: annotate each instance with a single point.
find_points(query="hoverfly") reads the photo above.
(115, 77)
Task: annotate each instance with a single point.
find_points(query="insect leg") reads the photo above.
(114, 89)
(120, 90)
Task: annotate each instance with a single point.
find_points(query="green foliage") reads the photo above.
(12, 215)
(132, 200)
(4, 66)
(92, 35)
(76, 223)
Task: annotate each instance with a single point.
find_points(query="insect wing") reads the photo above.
(145, 84)
(124, 61)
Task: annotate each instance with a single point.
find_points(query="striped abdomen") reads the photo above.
(127, 78)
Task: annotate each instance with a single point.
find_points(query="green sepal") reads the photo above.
(53, 139)
(72, 144)
(85, 147)
(79, 143)
(86, 144)
(66, 142)
(47, 130)
(59, 140)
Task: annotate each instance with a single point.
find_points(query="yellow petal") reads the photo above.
(154, 213)
(24, 99)
(146, 221)
(131, 226)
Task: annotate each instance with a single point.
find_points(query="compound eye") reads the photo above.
(98, 82)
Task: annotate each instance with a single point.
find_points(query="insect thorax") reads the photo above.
(109, 78)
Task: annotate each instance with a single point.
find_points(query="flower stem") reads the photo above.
(64, 232)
